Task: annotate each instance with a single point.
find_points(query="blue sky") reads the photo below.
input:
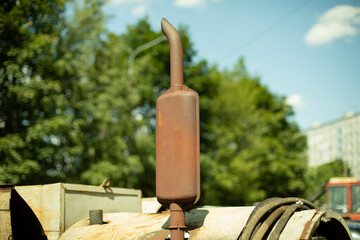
(306, 50)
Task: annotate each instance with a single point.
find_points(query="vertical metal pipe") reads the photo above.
(176, 53)
(177, 222)
(177, 141)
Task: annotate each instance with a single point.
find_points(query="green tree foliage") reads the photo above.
(28, 35)
(71, 111)
(317, 176)
(256, 152)
(43, 66)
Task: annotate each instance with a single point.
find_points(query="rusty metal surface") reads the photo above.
(264, 214)
(5, 217)
(45, 201)
(296, 224)
(328, 224)
(177, 134)
(202, 223)
(177, 140)
(176, 53)
(79, 199)
(177, 221)
(17, 220)
(306, 224)
(59, 205)
(176, 147)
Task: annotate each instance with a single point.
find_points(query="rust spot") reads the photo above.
(160, 119)
(308, 229)
(178, 128)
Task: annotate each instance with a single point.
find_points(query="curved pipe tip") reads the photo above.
(166, 27)
(176, 53)
(164, 24)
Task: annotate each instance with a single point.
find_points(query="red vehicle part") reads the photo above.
(343, 196)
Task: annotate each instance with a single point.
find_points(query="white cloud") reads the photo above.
(122, 2)
(193, 3)
(139, 10)
(189, 3)
(337, 22)
(295, 100)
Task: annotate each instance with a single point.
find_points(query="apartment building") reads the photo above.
(339, 139)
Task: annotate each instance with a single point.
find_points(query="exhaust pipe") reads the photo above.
(177, 141)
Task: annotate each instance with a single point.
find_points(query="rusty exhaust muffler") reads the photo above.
(177, 141)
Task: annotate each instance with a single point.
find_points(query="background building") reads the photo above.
(339, 139)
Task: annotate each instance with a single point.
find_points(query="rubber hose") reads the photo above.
(269, 222)
(275, 234)
(254, 226)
